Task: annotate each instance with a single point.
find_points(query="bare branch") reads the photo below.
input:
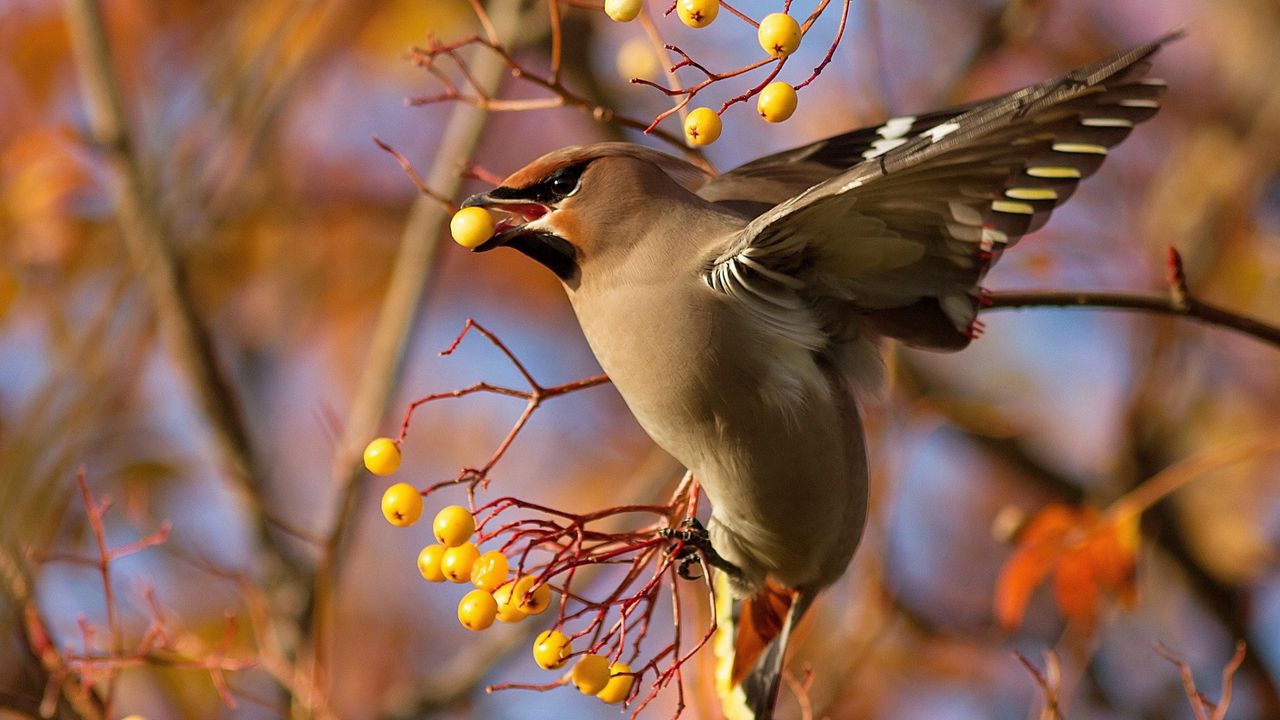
(1188, 682)
(75, 676)
(534, 397)
(685, 95)
(1048, 682)
(387, 347)
(153, 261)
(562, 96)
(414, 176)
(1192, 308)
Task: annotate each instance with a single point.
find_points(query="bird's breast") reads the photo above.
(771, 434)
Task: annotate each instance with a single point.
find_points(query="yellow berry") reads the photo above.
(702, 127)
(456, 562)
(697, 13)
(776, 102)
(535, 602)
(489, 571)
(429, 563)
(636, 59)
(382, 456)
(779, 34)
(591, 674)
(508, 604)
(619, 685)
(470, 227)
(477, 610)
(402, 505)
(551, 649)
(453, 526)
(622, 10)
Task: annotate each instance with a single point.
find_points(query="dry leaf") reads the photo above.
(1088, 554)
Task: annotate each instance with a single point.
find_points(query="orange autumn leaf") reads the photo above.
(1087, 553)
(1076, 588)
(41, 177)
(1038, 547)
(1113, 549)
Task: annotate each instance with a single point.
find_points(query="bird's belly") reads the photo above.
(788, 498)
(780, 457)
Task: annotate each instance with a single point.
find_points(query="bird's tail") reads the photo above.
(750, 645)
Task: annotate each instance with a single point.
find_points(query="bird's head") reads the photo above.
(576, 204)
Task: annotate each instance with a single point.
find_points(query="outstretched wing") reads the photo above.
(764, 182)
(907, 233)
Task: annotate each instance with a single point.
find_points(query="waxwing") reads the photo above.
(739, 315)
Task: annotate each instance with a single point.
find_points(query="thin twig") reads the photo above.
(557, 40)
(561, 96)
(1048, 682)
(533, 397)
(684, 95)
(417, 180)
(1188, 682)
(1174, 477)
(1228, 674)
(659, 49)
(1193, 308)
(76, 676)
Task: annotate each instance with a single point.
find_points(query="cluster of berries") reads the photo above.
(497, 594)
(779, 35)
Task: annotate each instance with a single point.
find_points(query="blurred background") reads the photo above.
(249, 162)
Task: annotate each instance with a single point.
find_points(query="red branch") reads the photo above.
(444, 62)
(534, 397)
(92, 668)
(559, 95)
(685, 95)
(414, 176)
(800, 687)
(553, 544)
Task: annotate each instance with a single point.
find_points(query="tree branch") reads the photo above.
(1190, 307)
(145, 234)
(409, 280)
(430, 696)
(153, 260)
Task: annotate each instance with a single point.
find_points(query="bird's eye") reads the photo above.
(564, 184)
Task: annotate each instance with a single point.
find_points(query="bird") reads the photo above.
(741, 315)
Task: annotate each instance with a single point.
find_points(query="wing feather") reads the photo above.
(925, 218)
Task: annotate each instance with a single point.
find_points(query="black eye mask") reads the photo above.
(556, 187)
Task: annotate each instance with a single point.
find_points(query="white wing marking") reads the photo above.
(896, 127)
(882, 146)
(938, 132)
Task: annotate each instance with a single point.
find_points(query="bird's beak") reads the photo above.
(520, 230)
(516, 212)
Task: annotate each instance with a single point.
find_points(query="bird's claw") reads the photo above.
(690, 531)
(692, 544)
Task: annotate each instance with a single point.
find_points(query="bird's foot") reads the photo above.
(694, 543)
